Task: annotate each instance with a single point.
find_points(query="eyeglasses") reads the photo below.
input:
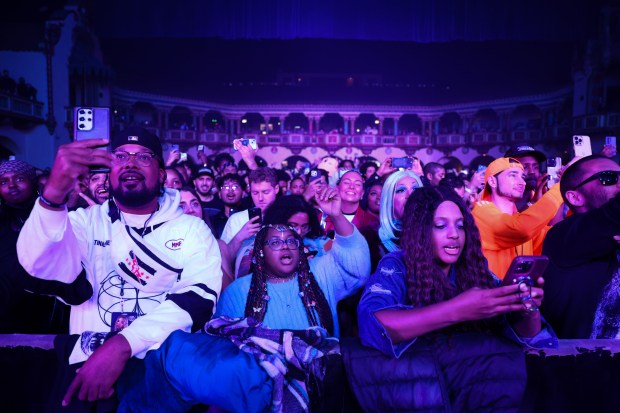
(277, 244)
(142, 158)
(230, 187)
(607, 178)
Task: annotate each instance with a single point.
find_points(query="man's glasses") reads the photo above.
(277, 244)
(606, 178)
(230, 187)
(142, 158)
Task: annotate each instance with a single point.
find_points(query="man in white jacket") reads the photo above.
(144, 261)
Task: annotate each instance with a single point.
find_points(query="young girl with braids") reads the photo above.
(285, 292)
(437, 308)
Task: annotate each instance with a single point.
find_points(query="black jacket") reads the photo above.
(462, 372)
(582, 259)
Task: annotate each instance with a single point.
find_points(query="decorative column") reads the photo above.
(396, 126)
(52, 36)
(201, 118)
(381, 120)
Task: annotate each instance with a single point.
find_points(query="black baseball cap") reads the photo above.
(138, 136)
(525, 150)
(205, 170)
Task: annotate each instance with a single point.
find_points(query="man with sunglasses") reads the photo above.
(581, 282)
(136, 254)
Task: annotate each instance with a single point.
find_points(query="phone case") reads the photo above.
(91, 123)
(525, 266)
(582, 146)
(255, 212)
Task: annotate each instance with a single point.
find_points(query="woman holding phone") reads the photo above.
(437, 308)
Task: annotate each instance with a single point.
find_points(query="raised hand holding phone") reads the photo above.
(247, 149)
(72, 161)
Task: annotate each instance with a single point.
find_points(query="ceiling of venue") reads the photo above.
(421, 52)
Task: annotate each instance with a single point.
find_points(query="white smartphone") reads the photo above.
(183, 157)
(582, 145)
(553, 167)
(246, 142)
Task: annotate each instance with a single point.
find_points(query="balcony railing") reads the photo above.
(477, 138)
(21, 107)
(608, 120)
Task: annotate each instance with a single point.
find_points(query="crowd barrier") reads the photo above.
(579, 376)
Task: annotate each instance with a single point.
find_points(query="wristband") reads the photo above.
(53, 204)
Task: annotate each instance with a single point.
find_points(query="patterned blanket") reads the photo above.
(286, 355)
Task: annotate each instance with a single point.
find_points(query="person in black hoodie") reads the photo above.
(22, 309)
(582, 291)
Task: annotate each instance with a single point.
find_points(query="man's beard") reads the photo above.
(135, 197)
(508, 195)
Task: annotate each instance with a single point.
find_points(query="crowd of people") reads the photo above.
(221, 285)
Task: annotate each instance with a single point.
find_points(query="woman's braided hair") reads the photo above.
(314, 301)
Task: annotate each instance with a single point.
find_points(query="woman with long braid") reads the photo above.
(286, 297)
(287, 290)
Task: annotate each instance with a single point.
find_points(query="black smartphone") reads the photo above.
(405, 162)
(255, 212)
(92, 123)
(525, 268)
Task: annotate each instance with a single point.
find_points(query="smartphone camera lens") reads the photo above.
(524, 267)
(81, 126)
